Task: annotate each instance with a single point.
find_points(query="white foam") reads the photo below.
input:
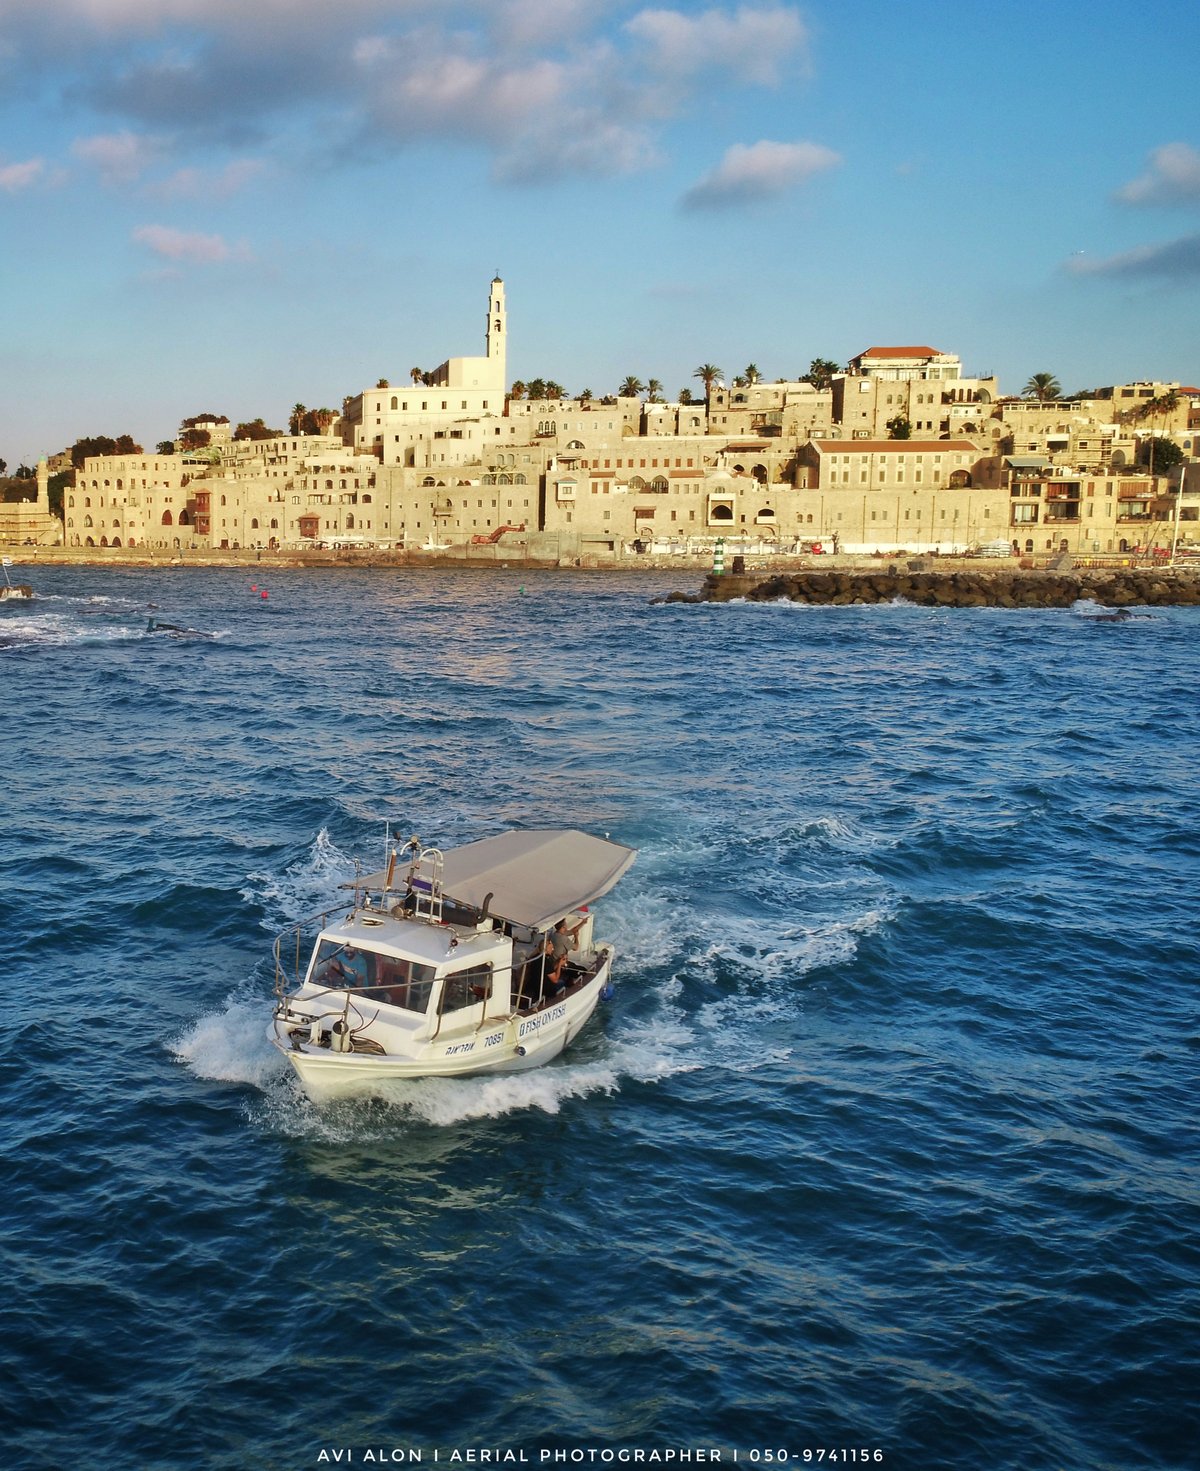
(305, 887)
(230, 1046)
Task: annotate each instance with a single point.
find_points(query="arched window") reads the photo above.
(167, 519)
(366, 500)
(253, 523)
(87, 521)
(519, 478)
(350, 523)
(959, 479)
(184, 519)
(659, 485)
(395, 402)
(329, 485)
(120, 485)
(116, 541)
(274, 524)
(636, 483)
(428, 480)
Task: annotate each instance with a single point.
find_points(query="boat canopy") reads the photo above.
(534, 877)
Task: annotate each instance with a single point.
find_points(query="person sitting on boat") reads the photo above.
(559, 943)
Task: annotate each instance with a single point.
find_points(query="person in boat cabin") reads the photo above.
(559, 943)
(347, 968)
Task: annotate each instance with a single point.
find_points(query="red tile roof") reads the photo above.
(900, 352)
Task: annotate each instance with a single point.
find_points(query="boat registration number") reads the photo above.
(457, 1047)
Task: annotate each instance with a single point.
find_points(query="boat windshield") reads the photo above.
(341, 966)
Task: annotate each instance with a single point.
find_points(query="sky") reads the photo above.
(232, 206)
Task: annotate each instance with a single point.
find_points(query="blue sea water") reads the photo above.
(886, 1146)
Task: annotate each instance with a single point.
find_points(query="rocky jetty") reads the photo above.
(1123, 587)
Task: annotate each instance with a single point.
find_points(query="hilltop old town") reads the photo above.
(898, 451)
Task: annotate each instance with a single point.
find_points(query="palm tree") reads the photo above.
(585, 395)
(820, 373)
(296, 422)
(708, 375)
(1042, 386)
(631, 387)
(416, 374)
(518, 390)
(654, 391)
(751, 374)
(554, 390)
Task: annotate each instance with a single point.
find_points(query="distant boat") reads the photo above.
(441, 965)
(13, 592)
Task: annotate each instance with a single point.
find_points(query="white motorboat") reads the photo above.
(440, 964)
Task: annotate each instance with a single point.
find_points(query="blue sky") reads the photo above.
(235, 205)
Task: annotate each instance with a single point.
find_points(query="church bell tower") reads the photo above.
(497, 331)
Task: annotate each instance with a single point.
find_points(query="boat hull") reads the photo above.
(500, 1045)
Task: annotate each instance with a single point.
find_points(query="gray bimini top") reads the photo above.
(534, 877)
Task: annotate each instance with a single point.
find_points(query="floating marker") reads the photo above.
(263, 594)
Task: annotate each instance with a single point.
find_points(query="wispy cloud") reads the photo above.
(1175, 260)
(189, 247)
(754, 42)
(120, 158)
(17, 176)
(1173, 177)
(753, 172)
(196, 183)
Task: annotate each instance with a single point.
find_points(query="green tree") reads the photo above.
(102, 444)
(708, 374)
(24, 472)
(537, 388)
(256, 429)
(751, 374)
(3, 466)
(192, 439)
(821, 373)
(165, 447)
(685, 395)
(554, 390)
(1159, 455)
(518, 390)
(899, 427)
(1043, 387)
(296, 419)
(631, 387)
(585, 395)
(654, 393)
(417, 375)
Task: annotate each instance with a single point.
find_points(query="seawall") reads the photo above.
(983, 588)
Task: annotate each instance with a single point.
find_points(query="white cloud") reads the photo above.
(121, 158)
(1177, 260)
(180, 245)
(194, 183)
(15, 176)
(755, 43)
(1173, 177)
(749, 173)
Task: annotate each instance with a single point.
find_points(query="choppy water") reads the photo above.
(887, 1141)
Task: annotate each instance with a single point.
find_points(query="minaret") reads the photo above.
(43, 486)
(496, 331)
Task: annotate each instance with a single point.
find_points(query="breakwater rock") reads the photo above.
(1124, 587)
